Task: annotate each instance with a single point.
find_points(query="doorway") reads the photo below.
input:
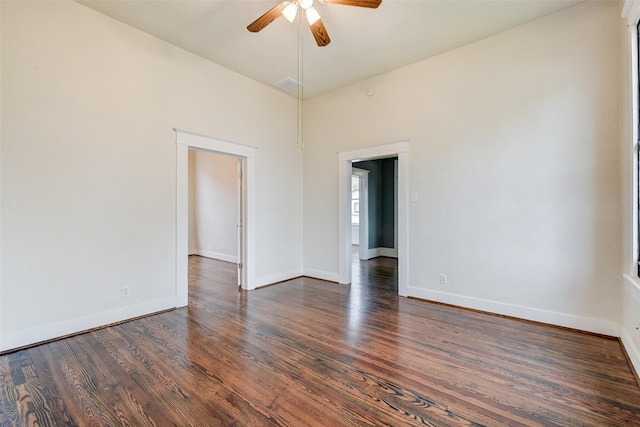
(345, 160)
(215, 194)
(246, 157)
(360, 210)
(377, 207)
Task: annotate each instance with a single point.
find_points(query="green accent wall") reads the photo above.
(382, 189)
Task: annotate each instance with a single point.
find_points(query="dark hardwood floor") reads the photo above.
(379, 273)
(308, 352)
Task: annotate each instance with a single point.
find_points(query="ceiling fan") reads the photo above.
(289, 9)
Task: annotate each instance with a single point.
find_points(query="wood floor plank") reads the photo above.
(313, 353)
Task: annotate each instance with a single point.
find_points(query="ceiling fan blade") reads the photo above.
(320, 33)
(268, 17)
(360, 3)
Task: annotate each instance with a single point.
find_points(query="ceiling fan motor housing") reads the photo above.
(289, 10)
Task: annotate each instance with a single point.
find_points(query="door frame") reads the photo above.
(345, 159)
(240, 224)
(363, 226)
(186, 140)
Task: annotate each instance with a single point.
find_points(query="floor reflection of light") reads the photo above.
(368, 278)
(355, 312)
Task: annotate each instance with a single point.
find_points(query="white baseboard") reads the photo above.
(278, 277)
(376, 252)
(598, 326)
(80, 324)
(368, 254)
(322, 275)
(214, 255)
(631, 319)
(631, 349)
(389, 252)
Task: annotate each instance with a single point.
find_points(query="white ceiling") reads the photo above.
(364, 42)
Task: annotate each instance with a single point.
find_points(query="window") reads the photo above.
(355, 200)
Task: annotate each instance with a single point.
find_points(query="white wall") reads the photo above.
(213, 205)
(514, 158)
(512, 155)
(630, 315)
(88, 173)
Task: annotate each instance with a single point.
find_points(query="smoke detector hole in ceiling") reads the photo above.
(288, 84)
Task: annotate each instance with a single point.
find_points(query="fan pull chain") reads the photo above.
(300, 105)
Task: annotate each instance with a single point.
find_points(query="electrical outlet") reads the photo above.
(124, 291)
(443, 279)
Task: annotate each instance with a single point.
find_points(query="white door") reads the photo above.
(363, 212)
(240, 224)
(355, 209)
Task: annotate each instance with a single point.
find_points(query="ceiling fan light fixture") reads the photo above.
(290, 11)
(305, 4)
(312, 15)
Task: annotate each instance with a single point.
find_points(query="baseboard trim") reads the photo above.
(214, 255)
(630, 320)
(376, 252)
(388, 252)
(633, 352)
(39, 334)
(322, 275)
(278, 277)
(588, 324)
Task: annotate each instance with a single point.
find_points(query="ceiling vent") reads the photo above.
(288, 84)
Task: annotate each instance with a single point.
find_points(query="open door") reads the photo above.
(363, 214)
(345, 159)
(246, 154)
(240, 225)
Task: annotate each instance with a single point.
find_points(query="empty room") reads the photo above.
(503, 288)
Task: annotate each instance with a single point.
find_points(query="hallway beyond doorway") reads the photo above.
(380, 272)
